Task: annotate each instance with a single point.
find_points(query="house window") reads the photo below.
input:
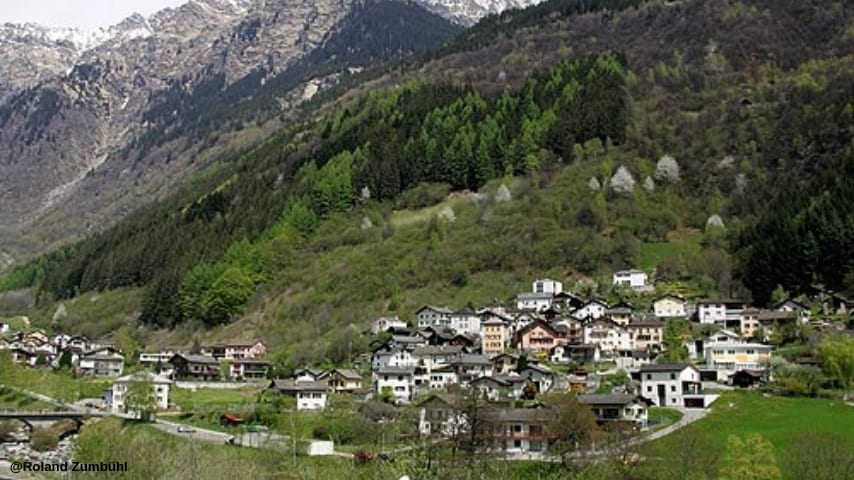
(673, 376)
(649, 388)
(649, 376)
(673, 388)
(517, 443)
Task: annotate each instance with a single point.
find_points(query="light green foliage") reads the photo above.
(140, 398)
(749, 458)
(837, 357)
(675, 333)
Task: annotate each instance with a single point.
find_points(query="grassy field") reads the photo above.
(662, 417)
(10, 400)
(60, 385)
(211, 398)
(682, 242)
(777, 419)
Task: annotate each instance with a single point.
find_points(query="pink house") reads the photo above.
(538, 336)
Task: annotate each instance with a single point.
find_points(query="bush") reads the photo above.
(424, 195)
(43, 439)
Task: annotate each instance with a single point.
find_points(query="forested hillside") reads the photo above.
(570, 144)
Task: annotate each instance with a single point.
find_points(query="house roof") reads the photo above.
(725, 301)
(472, 359)
(250, 361)
(494, 321)
(344, 372)
(314, 372)
(431, 350)
(538, 368)
(771, 315)
(395, 371)
(670, 296)
(645, 322)
(534, 296)
(628, 272)
(538, 323)
(407, 339)
(465, 311)
(105, 358)
(283, 385)
(446, 398)
(497, 379)
(618, 311)
(610, 399)
(444, 310)
(143, 376)
(664, 367)
(193, 358)
(522, 415)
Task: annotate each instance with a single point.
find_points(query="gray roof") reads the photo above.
(534, 295)
(344, 372)
(407, 339)
(522, 415)
(294, 386)
(612, 399)
(444, 310)
(664, 367)
(437, 350)
(472, 359)
(192, 358)
(395, 371)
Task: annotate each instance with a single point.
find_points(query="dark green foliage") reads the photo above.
(806, 237)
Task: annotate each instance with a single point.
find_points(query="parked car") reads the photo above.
(186, 429)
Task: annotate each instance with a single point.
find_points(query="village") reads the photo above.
(618, 360)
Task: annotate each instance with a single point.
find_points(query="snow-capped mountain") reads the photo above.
(468, 12)
(88, 119)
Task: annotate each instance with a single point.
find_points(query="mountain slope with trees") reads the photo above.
(612, 131)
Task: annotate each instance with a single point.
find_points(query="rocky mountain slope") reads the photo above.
(71, 158)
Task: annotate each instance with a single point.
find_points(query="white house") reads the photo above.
(154, 358)
(104, 362)
(635, 279)
(593, 309)
(672, 385)
(668, 306)
(618, 407)
(465, 321)
(397, 381)
(309, 395)
(522, 430)
(607, 335)
(116, 396)
(536, 301)
(727, 358)
(397, 357)
(547, 285)
(430, 316)
(383, 324)
(722, 312)
(802, 310)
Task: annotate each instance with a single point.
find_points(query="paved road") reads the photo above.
(248, 439)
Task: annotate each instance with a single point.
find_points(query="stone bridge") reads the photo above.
(46, 418)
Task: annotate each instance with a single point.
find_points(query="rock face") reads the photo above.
(76, 148)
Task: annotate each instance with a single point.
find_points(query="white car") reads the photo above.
(186, 429)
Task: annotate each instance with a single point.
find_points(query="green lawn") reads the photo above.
(10, 400)
(662, 417)
(59, 385)
(210, 398)
(679, 243)
(777, 419)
